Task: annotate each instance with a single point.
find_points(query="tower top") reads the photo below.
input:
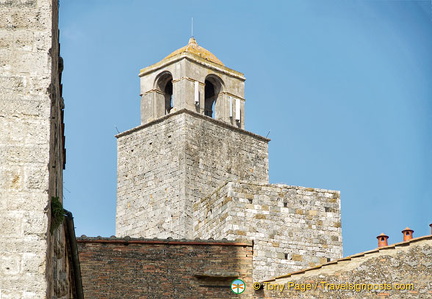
(192, 78)
(193, 48)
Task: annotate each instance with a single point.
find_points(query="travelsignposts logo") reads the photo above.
(238, 286)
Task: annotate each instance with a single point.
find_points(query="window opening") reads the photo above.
(210, 98)
(165, 85)
(168, 97)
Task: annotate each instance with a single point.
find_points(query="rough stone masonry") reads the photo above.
(191, 170)
(32, 263)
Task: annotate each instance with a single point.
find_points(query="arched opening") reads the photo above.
(168, 97)
(164, 84)
(212, 89)
(209, 98)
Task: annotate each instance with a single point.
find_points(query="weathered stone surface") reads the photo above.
(31, 149)
(284, 239)
(165, 166)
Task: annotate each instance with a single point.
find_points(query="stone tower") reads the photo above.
(190, 170)
(192, 78)
(191, 140)
(33, 257)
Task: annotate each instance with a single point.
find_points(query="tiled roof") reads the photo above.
(193, 48)
(355, 256)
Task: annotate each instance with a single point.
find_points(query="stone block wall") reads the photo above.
(292, 227)
(143, 268)
(400, 271)
(217, 153)
(150, 186)
(31, 148)
(165, 166)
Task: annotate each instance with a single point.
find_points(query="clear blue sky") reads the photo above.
(344, 87)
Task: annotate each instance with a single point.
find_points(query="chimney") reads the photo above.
(407, 234)
(382, 240)
(431, 227)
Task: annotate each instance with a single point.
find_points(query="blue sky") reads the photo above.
(343, 87)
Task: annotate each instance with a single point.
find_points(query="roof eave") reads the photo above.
(195, 58)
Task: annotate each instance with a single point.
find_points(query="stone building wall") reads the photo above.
(143, 268)
(31, 148)
(400, 271)
(150, 189)
(167, 165)
(292, 227)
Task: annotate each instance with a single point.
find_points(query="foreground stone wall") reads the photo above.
(292, 227)
(167, 165)
(403, 270)
(31, 149)
(140, 268)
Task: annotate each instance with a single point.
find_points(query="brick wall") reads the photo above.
(139, 268)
